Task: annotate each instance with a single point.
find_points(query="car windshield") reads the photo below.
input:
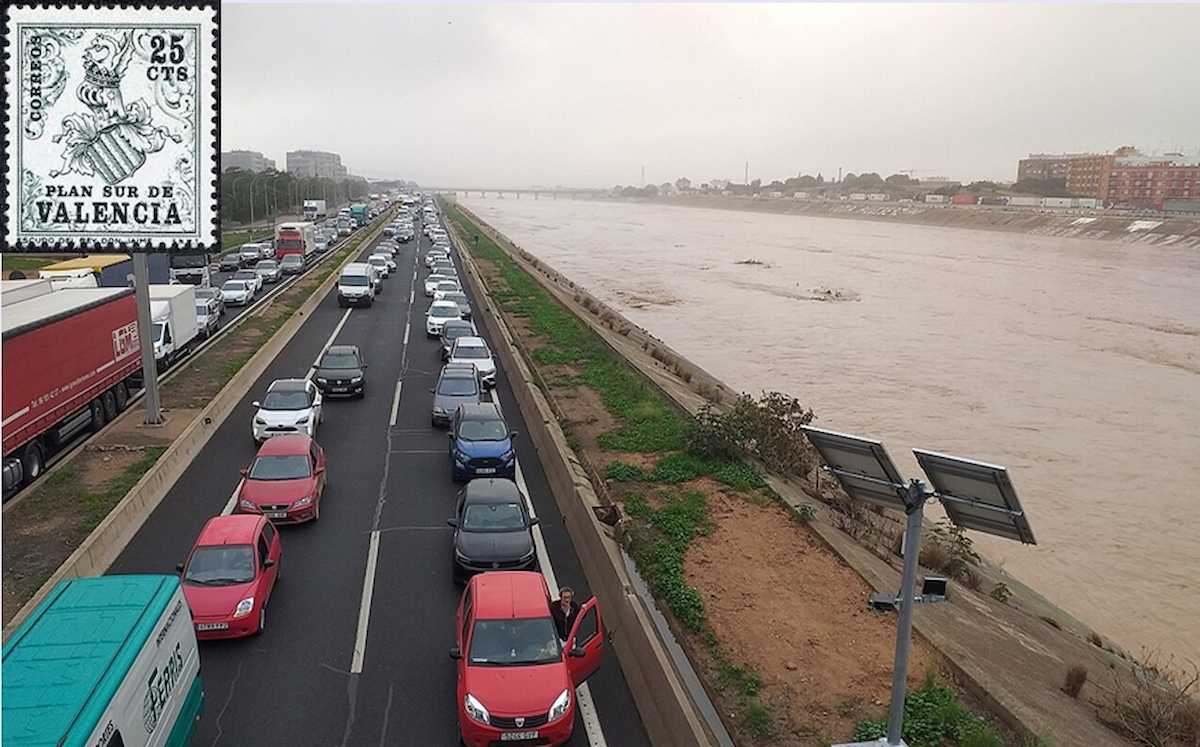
(244, 274)
(483, 430)
(292, 260)
(515, 642)
(447, 285)
(458, 298)
(493, 517)
(354, 280)
(220, 565)
(471, 352)
(286, 400)
(457, 386)
(443, 312)
(266, 264)
(201, 309)
(233, 285)
(339, 360)
(158, 330)
(453, 331)
(280, 467)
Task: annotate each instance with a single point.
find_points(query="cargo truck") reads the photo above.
(295, 238)
(314, 210)
(173, 316)
(359, 213)
(103, 662)
(70, 361)
(191, 268)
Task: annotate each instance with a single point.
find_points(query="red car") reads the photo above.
(229, 575)
(516, 679)
(286, 480)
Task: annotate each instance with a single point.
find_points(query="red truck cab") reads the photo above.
(295, 238)
(516, 679)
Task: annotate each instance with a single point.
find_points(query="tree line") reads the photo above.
(250, 196)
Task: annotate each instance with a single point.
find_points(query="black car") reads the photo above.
(341, 372)
(492, 529)
(291, 264)
(231, 262)
(452, 329)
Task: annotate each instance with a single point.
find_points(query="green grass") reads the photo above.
(100, 504)
(24, 263)
(934, 716)
(647, 422)
(682, 466)
(233, 239)
(667, 531)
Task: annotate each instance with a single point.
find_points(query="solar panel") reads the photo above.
(861, 465)
(976, 495)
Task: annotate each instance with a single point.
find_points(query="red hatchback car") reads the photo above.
(516, 680)
(229, 575)
(285, 481)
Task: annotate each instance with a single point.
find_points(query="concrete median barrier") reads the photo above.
(102, 546)
(667, 711)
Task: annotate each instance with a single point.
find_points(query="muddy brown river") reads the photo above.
(1075, 363)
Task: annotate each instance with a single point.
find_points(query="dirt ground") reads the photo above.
(781, 602)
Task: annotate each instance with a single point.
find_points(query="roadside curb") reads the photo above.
(667, 711)
(101, 547)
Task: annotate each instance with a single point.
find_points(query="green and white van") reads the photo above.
(104, 662)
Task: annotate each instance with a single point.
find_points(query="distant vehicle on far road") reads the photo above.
(208, 315)
(214, 293)
(291, 264)
(252, 278)
(268, 270)
(231, 262)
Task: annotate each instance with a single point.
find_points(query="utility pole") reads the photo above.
(746, 180)
(141, 287)
(839, 174)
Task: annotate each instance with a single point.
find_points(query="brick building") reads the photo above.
(1146, 181)
(249, 160)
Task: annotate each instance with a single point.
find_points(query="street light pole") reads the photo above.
(141, 286)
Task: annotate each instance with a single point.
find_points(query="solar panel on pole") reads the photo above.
(861, 465)
(976, 495)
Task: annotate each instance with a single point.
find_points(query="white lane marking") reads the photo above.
(396, 403)
(407, 329)
(232, 500)
(583, 693)
(364, 608)
(328, 342)
(411, 295)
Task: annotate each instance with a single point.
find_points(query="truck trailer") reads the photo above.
(359, 212)
(295, 238)
(70, 359)
(173, 316)
(104, 271)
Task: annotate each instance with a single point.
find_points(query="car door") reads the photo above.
(268, 558)
(462, 628)
(317, 456)
(460, 507)
(585, 644)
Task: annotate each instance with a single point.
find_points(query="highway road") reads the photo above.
(359, 626)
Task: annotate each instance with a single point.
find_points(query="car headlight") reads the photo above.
(507, 456)
(356, 380)
(302, 420)
(561, 704)
(440, 411)
(322, 381)
(259, 421)
(305, 501)
(475, 709)
(244, 607)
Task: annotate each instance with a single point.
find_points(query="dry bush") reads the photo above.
(1051, 622)
(1154, 704)
(934, 555)
(1095, 639)
(623, 331)
(972, 580)
(1073, 684)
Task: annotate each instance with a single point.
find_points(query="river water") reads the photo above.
(1074, 363)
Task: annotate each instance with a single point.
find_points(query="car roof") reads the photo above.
(481, 411)
(235, 529)
(471, 342)
(443, 304)
(508, 595)
(458, 369)
(292, 257)
(342, 350)
(491, 489)
(288, 385)
(285, 445)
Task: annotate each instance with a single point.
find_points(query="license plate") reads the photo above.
(486, 471)
(516, 736)
(338, 388)
(276, 514)
(212, 626)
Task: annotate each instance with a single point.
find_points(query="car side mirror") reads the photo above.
(577, 652)
(534, 521)
(513, 434)
(319, 470)
(244, 471)
(314, 366)
(452, 522)
(179, 567)
(455, 652)
(268, 563)
(256, 403)
(432, 390)
(364, 366)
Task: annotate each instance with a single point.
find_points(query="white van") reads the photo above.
(356, 285)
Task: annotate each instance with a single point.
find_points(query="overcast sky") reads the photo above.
(585, 95)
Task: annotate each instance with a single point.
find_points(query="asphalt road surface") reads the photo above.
(338, 665)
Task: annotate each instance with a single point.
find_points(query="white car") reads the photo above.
(434, 257)
(252, 278)
(446, 286)
(291, 406)
(236, 292)
(439, 312)
(432, 281)
(474, 350)
(380, 261)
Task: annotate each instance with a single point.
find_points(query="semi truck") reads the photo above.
(70, 361)
(314, 210)
(104, 271)
(359, 212)
(295, 238)
(173, 319)
(105, 661)
(189, 267)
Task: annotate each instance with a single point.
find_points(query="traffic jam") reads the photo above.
(521, 650)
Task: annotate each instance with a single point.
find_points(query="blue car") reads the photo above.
(481, 445)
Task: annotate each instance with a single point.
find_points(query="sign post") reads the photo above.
(141, 286)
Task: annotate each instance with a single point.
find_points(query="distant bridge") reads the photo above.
(552, 193)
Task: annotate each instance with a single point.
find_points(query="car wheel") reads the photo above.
(97, 416)
(121, 392)
(108, 401)
(33, 462)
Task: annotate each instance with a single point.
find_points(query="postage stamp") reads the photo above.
(111, 127)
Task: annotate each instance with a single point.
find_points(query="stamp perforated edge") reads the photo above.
(207, 15)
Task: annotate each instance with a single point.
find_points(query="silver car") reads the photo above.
(268, 270)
